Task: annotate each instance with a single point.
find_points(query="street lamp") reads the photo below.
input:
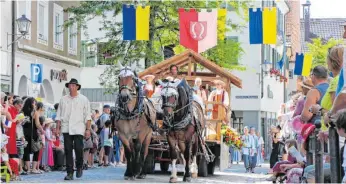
(23, 24)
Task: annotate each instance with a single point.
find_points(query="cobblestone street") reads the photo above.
(235, 174)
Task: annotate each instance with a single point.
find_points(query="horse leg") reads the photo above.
(174, 156)
(187, 175)
(194, 167)
(137, 157)
(128, 154)
(145, 148)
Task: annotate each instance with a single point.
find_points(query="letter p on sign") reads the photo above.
(36, 73)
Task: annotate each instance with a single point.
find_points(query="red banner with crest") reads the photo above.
(198, 30)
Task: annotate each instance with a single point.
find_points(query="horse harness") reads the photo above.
(122, 113)
(185, 120)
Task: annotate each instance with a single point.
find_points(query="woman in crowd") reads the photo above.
(260, 149)
(247, 149)
(149, 87)
(30, 133)
(283, 166)
(199, 90)
(278, 147)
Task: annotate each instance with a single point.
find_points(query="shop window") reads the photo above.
(238, 124)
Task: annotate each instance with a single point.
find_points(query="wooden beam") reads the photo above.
(204, 79)
(190, 67)
(165, 64)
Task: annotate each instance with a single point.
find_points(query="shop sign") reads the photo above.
(246, 97)
(58, 75)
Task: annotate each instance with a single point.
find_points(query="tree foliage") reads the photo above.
(319, 50)
(163, 31)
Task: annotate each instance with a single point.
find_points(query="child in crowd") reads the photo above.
(88, 145)
(47, 156)
(107, 141)
(4, 158)
(20, 140)
(93, 151)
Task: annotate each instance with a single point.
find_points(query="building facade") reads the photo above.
(257, 103)
(5, 52)
(293, 43)
(55, 48)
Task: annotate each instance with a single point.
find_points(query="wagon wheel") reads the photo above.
(149, 165)
(211, 167)
(202, 167)
(164, 166)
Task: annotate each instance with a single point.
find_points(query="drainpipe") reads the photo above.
(13, 49)
(262, 62)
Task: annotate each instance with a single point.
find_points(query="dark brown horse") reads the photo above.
(134, 118)
(183, 121)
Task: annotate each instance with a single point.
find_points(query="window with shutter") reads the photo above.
(42, 22)
(58, 35)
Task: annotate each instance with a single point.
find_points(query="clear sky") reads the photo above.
(327, 8)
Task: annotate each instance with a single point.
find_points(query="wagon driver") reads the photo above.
(219, 95)
(73, 120)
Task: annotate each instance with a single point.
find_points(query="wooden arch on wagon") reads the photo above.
(187, 62)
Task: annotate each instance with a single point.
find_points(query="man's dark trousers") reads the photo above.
(73, 142)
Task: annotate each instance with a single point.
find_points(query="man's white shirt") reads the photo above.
(73, 112)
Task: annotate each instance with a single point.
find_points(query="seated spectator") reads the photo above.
(285, 165)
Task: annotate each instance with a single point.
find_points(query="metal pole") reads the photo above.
(319, 151)
(13, 49)
(335, 159)
(310, 151)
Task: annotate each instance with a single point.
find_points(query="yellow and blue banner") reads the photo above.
(303, 64)
(136, 22)
(263, 25)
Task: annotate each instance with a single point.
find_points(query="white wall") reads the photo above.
(90, 76)
(25, 60)
(5, 27)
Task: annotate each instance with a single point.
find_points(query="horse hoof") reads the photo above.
(132, 178)
(187, 179)
(173, 180)
(194, 175)
(129, 178)
(141, 176)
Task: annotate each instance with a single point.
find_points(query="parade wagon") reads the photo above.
(212, 152)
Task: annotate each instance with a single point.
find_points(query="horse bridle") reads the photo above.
(165, 97)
